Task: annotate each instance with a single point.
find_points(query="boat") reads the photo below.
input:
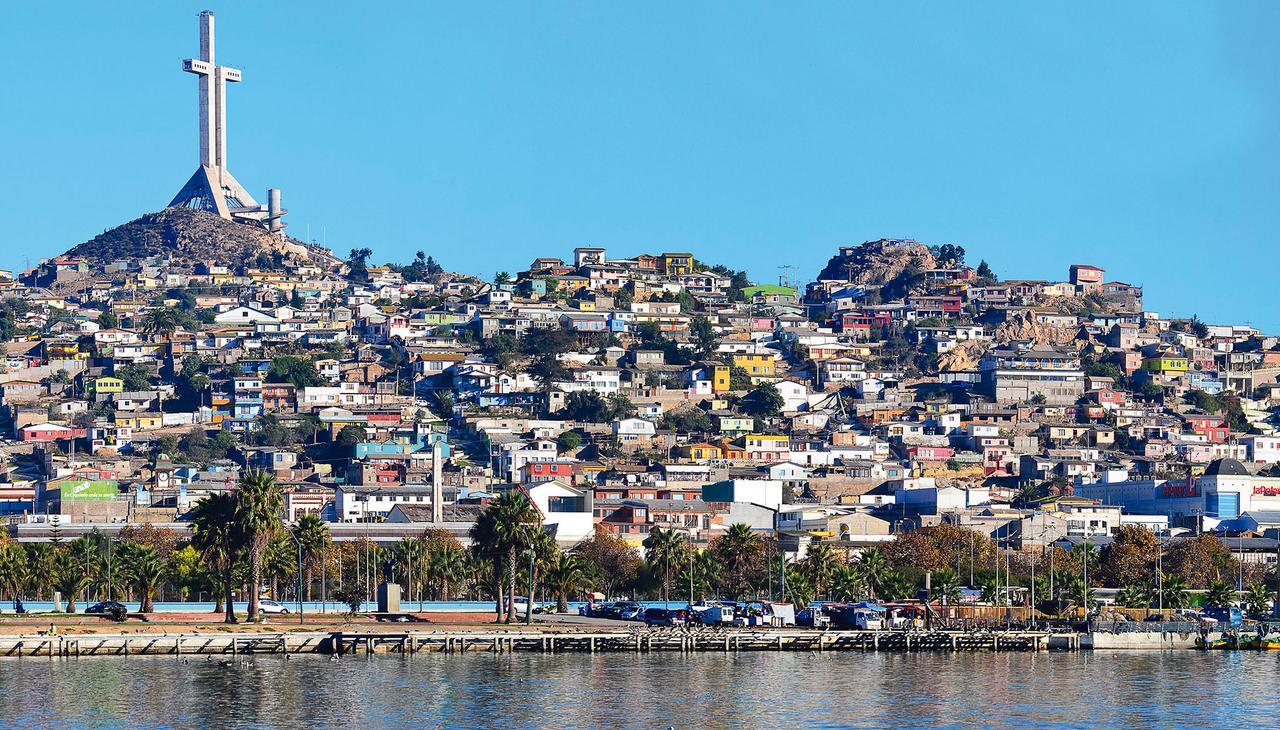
(1224, 642)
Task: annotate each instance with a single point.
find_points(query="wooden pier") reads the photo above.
(529, 641)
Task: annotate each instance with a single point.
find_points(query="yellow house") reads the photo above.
(677, 263)
(106, 384)
(756, 365)
(719, 378)
(699, 452)
(139, 421)
(1166, 365)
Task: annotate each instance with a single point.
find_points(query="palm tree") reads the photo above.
(446, 565)
(545, 551)
(740, 546)
(1258, 599)
(40, 561)
(1134, 596)
(945, 586)
(71, 576)
(820, 563)
(875, 569)
(502, 531)
(799, 587)
(698, 570)
(1220, 593)
(410, 559)
(991, 593)
(848, 583)
(14, 570)
(215, 537)
(163, 321)
(1175, 591)
(565, 576)
(145, 570)
(280, 562)
(662, 547)
(312, 534)
(257, 518)
(897, 587)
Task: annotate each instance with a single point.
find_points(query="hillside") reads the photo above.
(192, 235)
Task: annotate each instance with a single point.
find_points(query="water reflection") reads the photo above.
(656, 690)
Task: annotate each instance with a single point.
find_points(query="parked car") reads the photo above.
(522, 606)
(631, 613)
(665, 617)
(106, 607)
(617, 610)
(595, 610)
(271, 606)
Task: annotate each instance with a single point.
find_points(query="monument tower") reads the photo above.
(212, 188)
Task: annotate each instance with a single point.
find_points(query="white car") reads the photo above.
(267, 605)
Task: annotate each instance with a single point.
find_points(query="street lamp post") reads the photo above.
(297, 542)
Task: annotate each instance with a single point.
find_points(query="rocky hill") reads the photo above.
(877, 262)
(192, 235)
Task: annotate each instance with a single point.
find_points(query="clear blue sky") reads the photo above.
(1141, 137)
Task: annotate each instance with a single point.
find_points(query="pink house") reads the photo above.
(49, 432)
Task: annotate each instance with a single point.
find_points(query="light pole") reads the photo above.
(297, 542)
(528, 614)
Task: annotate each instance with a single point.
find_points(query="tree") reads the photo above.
(848, 584)
(738, 550)
(610, 559)
(145, 570)
(299, 371)
(1175, 591)
(1220, 593)
(163, 321)
(16, 569)
(72, 574)
(703, 334)
(569, 441)
(567, 575)
(945, 587)
(501, 532)
(820, 564)
(108, 320)
(1130, 558)
(312, 534)
(1200, 560)
(214, 535)
(662, 548)
(501, 278)
(765, 401)
(1134, 595)
(350, 435)
(984, 271)
(687, 420)
(258, 505)
(136, 376)
(1257, 598)
(876, 570)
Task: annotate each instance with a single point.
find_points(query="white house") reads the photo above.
(634, 431)
(567, 511)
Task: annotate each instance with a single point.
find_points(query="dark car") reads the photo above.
(665, 617)
(114, 609)
(106, 607)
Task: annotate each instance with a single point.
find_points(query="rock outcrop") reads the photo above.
(877, 262)
(192, 235)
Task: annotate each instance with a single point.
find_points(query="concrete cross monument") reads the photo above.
(212, 187)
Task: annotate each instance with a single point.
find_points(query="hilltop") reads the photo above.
(193, 235)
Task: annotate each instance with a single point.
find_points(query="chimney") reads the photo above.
(437, 481)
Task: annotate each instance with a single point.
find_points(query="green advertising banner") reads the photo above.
(90, 491)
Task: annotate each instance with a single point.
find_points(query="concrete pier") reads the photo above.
(342, 643)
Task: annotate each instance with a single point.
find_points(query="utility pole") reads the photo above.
(528, 614)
